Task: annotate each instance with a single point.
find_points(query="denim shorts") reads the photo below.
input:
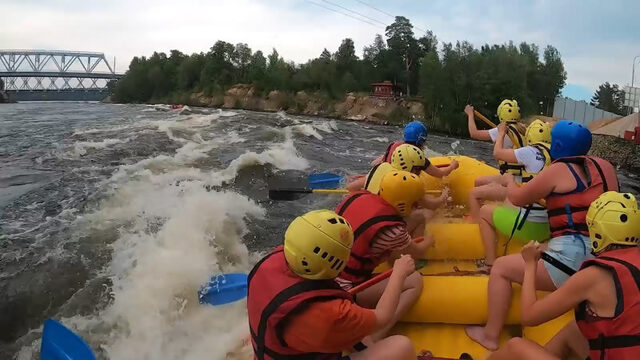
(571, 250)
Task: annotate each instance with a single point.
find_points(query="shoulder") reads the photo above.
(493, 132)
(554, 168)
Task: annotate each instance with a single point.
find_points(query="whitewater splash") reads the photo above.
(174, 233)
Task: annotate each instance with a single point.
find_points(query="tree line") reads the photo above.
(610, 98)
(443, 80)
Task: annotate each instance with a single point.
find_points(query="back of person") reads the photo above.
(378, 223)
(614, 227)
(616, 337)
(292, 278)
(509, 113)
(269, 310)
(567, 209)
(368, 214)
(415, 133)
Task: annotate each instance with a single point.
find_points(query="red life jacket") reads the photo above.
(367, 214)
(617, 337)
(390, 149)
(568, 211)
(275, 294)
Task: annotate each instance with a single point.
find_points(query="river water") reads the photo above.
(112, 216)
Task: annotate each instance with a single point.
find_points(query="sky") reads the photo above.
(597, 39)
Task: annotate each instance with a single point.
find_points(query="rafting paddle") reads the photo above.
(224, 289)
(60, 343)
(295, 194)
(325, 181)
(333, 181)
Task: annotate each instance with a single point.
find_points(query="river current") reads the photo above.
(112, 216)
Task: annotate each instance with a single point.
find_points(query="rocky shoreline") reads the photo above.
(620, 152)
(355, 106)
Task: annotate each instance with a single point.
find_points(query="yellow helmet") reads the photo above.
(317, 244)
(508, 111)
(401, 189)
(375, 176)
(613, 218)
(408, 158)
(538, 132)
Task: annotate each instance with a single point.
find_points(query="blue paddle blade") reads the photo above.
(224, 289)
(325, 181)
(60, 343)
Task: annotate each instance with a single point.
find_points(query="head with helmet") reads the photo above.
(408, 158)
(613, 219)
(569, 138)
(317, 244)
(402, 190)
(508, 111)
(538, 132)
(415, 133)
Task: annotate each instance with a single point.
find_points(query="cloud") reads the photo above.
(596, 39)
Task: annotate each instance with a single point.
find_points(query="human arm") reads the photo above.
(575, 290)
(538, 188)
(388, 303)
(433, 202)
(441, 172)
(473, 129)
(499, 152)
(378, 160)
(356, 182)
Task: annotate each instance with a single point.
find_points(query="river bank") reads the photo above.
(354, 106)
(366, 108)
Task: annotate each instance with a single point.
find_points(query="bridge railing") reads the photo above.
(54, 70)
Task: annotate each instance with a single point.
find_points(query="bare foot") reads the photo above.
(477, 334)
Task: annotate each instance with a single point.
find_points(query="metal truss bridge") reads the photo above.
(55, 75)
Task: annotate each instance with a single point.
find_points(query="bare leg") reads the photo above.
(490, 191)
(505, 270)
(395, 347)
(567, 341)
(410, 293)
(488, 232)
(522, 349)
(484, 180)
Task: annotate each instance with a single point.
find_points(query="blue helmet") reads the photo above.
(569, 138)
(415, 132)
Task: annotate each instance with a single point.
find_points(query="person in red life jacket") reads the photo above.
(381, 234)
(415, 133)
(408, 158)
(605, 293)
(568, 185)
(296, 309)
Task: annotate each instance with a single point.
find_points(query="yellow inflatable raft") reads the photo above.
(454, 295)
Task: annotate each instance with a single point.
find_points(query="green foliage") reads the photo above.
(399, 115)
(462, 74)
(609, 98)
(445, 80)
